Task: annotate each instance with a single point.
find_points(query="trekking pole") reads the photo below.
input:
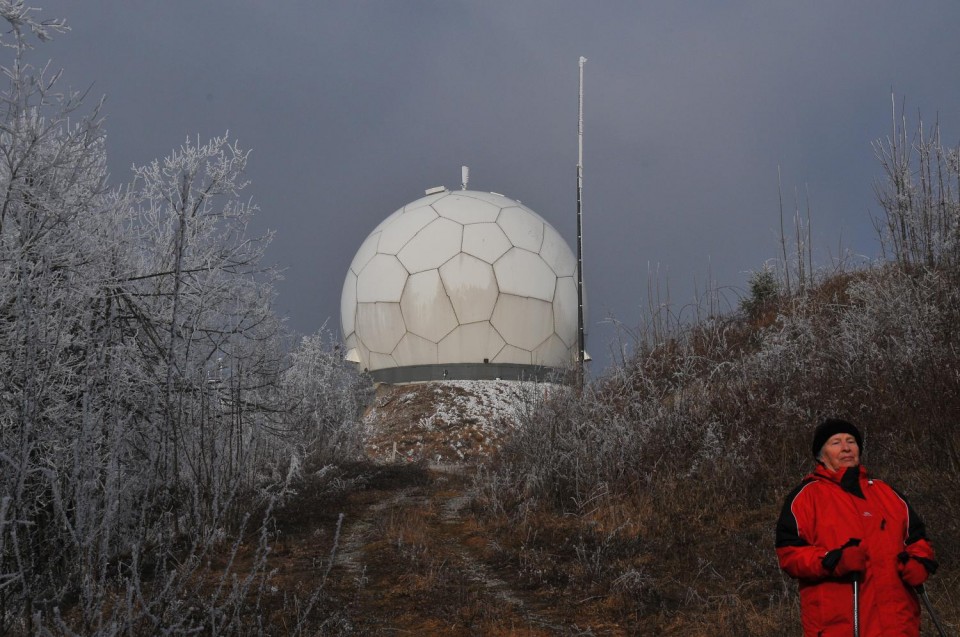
(856, 605)
(926, 602)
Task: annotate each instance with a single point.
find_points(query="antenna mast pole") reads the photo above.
(580, 344)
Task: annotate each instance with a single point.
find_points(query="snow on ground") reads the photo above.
(447, 421)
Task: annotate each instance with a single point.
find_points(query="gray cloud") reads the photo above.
(353, 108)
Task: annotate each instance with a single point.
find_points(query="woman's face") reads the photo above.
(840, 451)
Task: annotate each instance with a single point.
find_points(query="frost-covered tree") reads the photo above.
(919, 195)
(145, 387)
(57, 332)
(201, 303)
(114, 310)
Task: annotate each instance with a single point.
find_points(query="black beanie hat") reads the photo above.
(831, 427)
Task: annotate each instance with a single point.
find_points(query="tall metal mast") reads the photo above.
(580, 344)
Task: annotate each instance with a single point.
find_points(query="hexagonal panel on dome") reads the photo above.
(493, 198)
(427, 311)
(381, 361)
(382, 279)
(367, 249)
(523, 322)
(348, 303)
(472, 287)
(471, 343)
(350, 342)
(533, 213)
(419, 203)
(465, 209)
(486, 241)
(413, 350)
(525, 274)
(432, 246)
(386, 222)
(565, 310)
(396, 235)
(426, 200)
(515, 355)
(552, 353)
(522, 228)
(556, 253)
(362, 351)
(380, 326)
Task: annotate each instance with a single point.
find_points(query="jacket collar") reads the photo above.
(849, 479)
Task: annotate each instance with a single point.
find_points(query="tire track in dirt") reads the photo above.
(407, 563)
(476, 570)
(356, 534)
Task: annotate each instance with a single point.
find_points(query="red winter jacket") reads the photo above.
(824, 513)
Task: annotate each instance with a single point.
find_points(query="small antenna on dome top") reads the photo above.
(464, 176)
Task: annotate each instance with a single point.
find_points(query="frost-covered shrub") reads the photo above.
(920, 197)
(690, 446)
(325, 397)
(764, 290)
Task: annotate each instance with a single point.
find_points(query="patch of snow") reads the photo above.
(448, 420)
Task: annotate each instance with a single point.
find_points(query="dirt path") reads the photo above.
(411, 559)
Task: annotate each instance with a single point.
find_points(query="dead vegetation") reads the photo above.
(656, 491)
(645, 506)
(227, 504)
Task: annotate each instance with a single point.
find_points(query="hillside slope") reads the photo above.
(646, 505)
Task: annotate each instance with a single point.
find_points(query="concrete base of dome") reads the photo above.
(470, 371)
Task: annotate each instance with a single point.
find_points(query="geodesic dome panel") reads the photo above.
(556, 253)
(380, 326)
(366, 252)
(405, 228)
(466, 209)
(523, 322)
(348, 303)
(525, 274)
(382, 361)
(523, 229)
(414, 350)
(486, 241)
(381, 279)
(514, 356)
(458, 281)
(549, 350)
(471, 286)
(565, 310)
(426, 308)
(471, 343)
(432, 246)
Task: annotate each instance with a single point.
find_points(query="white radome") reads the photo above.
(460, 280)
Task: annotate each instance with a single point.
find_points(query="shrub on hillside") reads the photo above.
(676, 464)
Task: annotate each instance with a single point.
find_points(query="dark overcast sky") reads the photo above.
(353, 108)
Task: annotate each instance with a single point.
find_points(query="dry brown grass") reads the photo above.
(645, 506)
(657, 491)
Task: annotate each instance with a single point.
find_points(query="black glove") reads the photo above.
(915, 570)
(849, 558)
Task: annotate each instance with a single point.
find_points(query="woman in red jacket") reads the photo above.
(841, 531)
